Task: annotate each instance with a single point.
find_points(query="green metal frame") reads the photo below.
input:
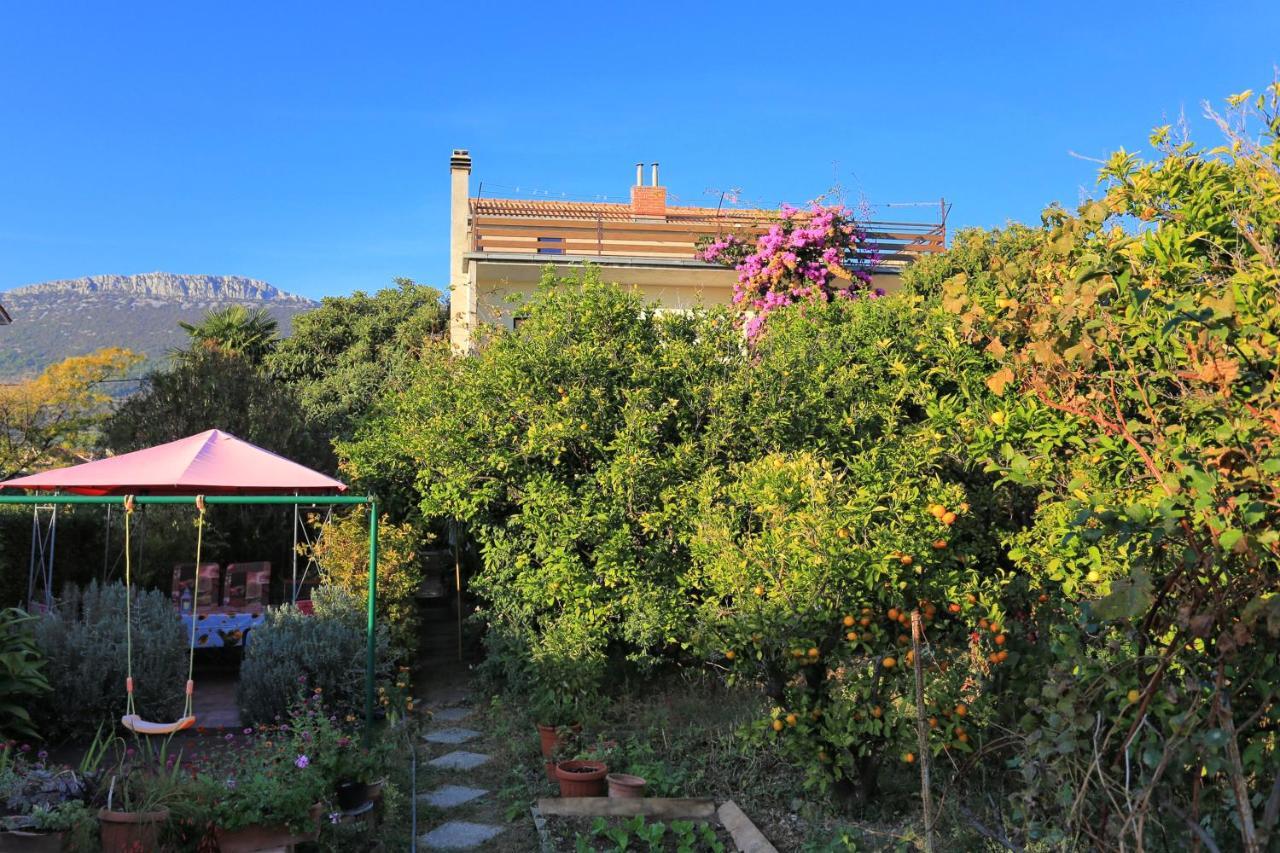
(277, 500)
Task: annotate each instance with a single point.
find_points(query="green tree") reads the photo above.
(340, 356)
(236, 329)
(53, 419)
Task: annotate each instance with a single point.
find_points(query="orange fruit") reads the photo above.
(889, 663)
(962, 709)
(1133, 697)
(777, 725)
(911, 656)
(953, 607)
(936, 510)
(971, 598)
(995, 628)
(903, 639)
(1043, 598)
(813, 652)
(1002, 655)
(877, 711)
(933, 722)
(792, 719)
(906, 559)
(939, 544)
(909, 757)
(730, 655)
(1000, 639)
(948, 518)
(983, 623)
(797, 653)
(864, 621)
(848, 621)
(962, 737)
(867, 611)
(893, 614)
(851, 636)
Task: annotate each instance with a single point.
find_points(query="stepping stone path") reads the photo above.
(451, 736)
(448, 796)
(455, 834)
(459, 759)
(459, 835)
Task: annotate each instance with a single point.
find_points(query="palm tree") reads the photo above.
(237, 330)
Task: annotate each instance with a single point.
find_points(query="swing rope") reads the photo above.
(131, 720)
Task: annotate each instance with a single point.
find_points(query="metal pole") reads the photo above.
(48, 571)
(922, 732)
(457, 579)
(31, 566)
(293, 583)
(372, 651)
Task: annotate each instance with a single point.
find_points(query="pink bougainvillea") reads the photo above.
(806, 256)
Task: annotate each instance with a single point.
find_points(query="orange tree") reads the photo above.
(1139, 373)
(854, 508)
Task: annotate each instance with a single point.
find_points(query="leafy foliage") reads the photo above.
(238, 330)
(53, 419)
(341, 549)
(324, 652)
(21, 675)
(84, 644)
(341, 355)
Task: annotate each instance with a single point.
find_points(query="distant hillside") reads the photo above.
(57, 319)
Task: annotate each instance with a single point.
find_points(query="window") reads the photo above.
(550, 245)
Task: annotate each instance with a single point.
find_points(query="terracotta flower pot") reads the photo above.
(250, 839)
(625, 785)
(581, 778)
(29, 841)
(552, 739)
(125, 832)
(551, 772)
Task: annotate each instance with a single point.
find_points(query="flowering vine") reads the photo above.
(807, 255)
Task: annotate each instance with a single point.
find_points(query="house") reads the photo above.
(498, 247)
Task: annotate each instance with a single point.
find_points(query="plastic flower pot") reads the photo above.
(581, 778)
(125, 832)
(352, 795)
(551, 738)
(625, 786)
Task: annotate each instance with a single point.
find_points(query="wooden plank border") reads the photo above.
(746, 837)
(695, 808)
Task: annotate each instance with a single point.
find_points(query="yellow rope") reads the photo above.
(195, 606)
(128, 607)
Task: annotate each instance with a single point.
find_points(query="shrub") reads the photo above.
(1137, 368)
(341, 550)
(569, 449)
(21, 676)
(84, 642)
(291, 653)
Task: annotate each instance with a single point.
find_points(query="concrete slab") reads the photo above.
(459, 759)
(451, 796)
(451, 736)
(451, 715)
(459, 835)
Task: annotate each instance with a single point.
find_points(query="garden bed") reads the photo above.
(600, 833)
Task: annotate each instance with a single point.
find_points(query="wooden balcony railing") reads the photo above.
(893, 244)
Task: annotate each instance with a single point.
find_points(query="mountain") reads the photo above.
(57, 319)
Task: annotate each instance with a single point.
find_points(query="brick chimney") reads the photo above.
(648, 203)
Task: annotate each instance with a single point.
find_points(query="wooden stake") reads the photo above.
(922, 731)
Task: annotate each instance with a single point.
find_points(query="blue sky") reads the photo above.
(307, 143)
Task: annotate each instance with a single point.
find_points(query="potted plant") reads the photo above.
(41, 802)
(556, 716)
(134, 810)
(581, 778)
(625, 785)
(357, 770)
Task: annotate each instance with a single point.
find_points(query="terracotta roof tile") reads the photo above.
(609, 211)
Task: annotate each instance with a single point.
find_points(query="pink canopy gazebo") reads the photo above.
(208, 463)
(211, 467)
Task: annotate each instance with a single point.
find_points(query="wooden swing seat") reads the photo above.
(136, 724)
